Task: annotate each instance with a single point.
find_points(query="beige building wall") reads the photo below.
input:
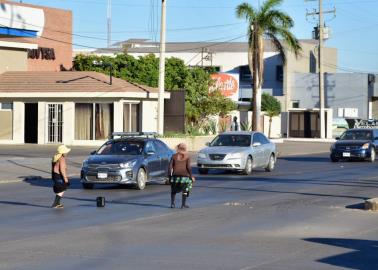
(68, 122)
(149, 116)
(42, 120)
(6, 125)
(302, 63)
(13, 60)
(18, 122)
(118, 116)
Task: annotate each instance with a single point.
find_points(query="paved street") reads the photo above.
(18, 162)
(307, 214)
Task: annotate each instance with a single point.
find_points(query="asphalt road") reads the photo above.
(18, 162)
(307, 214)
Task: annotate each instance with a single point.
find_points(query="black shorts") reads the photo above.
(59, 184)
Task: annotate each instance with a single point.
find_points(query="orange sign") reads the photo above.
(226, 83)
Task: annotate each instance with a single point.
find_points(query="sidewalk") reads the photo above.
(19, 162)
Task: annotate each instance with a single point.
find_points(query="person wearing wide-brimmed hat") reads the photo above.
(181, 177)
(59, 174)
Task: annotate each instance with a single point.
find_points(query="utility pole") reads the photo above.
(320, 67)
(321, 75)
(160, 126)
(109, 23)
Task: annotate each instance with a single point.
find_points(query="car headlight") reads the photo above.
(234, 155)
(365, 146)
(85, 164)
(201, 155)
(333, 147)
(128, 164)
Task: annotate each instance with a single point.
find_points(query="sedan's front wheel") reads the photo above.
(372, 155)
(271, 164)
(248, 166)
(141, 179)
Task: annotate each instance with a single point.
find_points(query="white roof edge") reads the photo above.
(20, 45)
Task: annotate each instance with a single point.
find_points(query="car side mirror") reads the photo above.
(256, 144)
(376, 138)
(337, 138)
(93, 152)
(207, 144)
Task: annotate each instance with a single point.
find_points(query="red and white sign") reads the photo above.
(227, 83)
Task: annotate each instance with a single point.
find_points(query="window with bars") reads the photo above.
(55, 123)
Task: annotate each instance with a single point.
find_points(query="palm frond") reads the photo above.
(268, 5)
(291, 41)
(281, 18)
(246, 11)
(278, 46)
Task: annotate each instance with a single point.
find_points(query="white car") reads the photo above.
(238, 151)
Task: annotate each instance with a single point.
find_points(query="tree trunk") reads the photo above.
(270, 126)
(256, 126)
(258, 64)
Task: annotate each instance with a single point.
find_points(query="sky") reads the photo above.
(354, 29)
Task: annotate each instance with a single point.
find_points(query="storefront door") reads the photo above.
(31, 123)
(55, 123)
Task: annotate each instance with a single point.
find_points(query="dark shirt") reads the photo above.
(180, 166)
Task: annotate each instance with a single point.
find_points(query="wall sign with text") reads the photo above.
(227, 83)
(41, 53)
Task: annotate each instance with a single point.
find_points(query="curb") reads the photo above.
(11, 181)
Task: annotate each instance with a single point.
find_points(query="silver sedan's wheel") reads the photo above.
(372, 155)
(141, 179)
(248, 166)
(271, 164)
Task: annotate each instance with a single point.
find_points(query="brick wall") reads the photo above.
(58, 26)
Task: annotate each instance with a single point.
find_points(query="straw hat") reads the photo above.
(62, 149)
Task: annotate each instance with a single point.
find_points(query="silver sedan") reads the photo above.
(238, 151)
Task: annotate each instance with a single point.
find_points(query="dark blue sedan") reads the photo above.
(358, 143)
(133, 158)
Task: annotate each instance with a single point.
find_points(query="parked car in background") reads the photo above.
(238, 151)
(357, 143)
(132, 158)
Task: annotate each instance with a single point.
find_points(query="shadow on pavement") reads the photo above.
(23, 204)
(76, 184)
(280, 192)
(27, 167)
(93, 202)
(47, 182)
(357, 206)
(362, 257)
(306, 159)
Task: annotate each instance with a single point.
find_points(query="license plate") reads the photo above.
(102, 175)
(346, 154)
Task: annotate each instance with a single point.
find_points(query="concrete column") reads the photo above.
(68, 122)
(18, 122)
(149, 116)
(42, 123)
(329, 113)
(118, 116)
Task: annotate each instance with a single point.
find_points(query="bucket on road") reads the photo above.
(100, 201)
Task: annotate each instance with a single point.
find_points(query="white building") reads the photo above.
(72, 107)
(232, 58)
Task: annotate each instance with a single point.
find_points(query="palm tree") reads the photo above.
(269, 23)
(272, 107)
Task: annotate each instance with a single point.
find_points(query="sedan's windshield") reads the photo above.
(232, 140)
(121, 148)
(356, 135)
